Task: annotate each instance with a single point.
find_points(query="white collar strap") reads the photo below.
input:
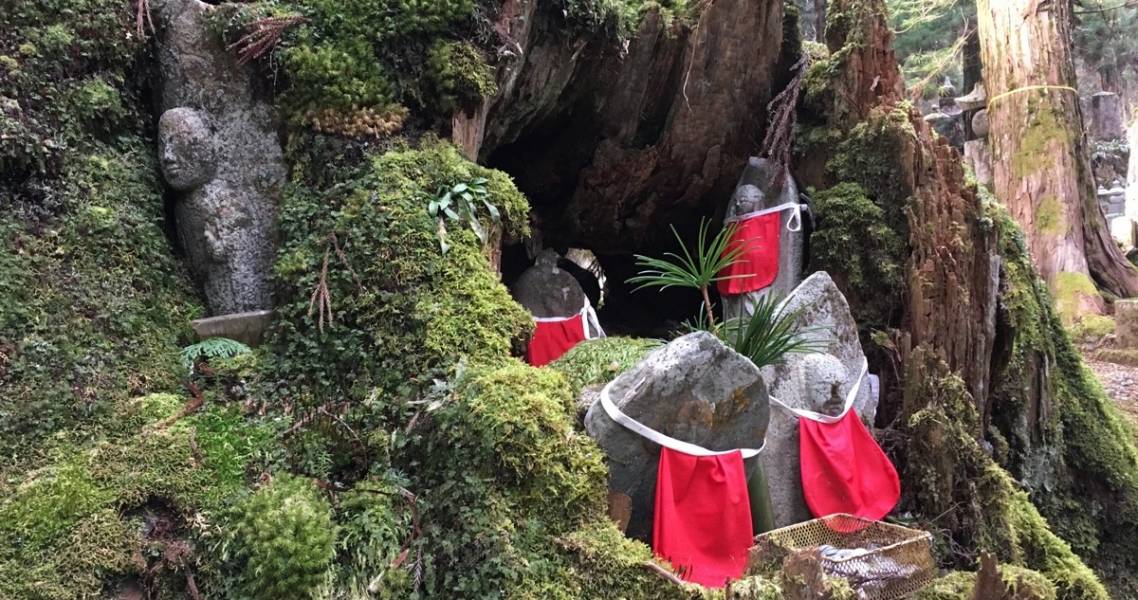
(851, 396)
(647, 432)
(794, 224)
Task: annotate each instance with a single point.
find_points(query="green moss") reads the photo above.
(978, 500)
(954, 586)
(1019, 584)
(1071, 291)
(458, 77)
(1036, 142)
(601, 360)
(284, 538)
(61, 520)
(93, 306)
(1049, 216)
(1088, 495)
(848, 219)
(1092, 328)
(621, 18)
(402, 310)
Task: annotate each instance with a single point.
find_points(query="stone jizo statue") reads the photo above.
(219, 153)
(765, 185)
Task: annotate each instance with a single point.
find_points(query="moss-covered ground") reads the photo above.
(388, 445)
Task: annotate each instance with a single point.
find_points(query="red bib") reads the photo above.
(552, 338)
(757, 263)
(702, 523)
(844, 470)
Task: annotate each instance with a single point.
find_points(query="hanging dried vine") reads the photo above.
(142, 20)
(263, 35)
(780, 125)
(320, 301)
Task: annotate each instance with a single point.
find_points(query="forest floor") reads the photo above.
(1120, 383)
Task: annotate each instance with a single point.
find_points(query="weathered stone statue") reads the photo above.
(548, 291)
(818, 382)
(696, 390)
(219, 153)
(764, 185)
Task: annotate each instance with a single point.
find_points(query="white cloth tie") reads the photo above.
(793, 224)
(647, 432)
(821, 418)
(589, 320)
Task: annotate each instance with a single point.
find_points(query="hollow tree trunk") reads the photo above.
(1041, 167)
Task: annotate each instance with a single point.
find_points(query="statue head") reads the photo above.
(185, 151)
(822, 377)
(548, 259)
(747, 199)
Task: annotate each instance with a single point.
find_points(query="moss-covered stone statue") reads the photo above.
(219, 154)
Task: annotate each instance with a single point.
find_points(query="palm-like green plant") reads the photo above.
(764, 338)
(697, 271)
(769, 334)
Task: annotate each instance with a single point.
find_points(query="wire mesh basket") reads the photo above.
(881, 561)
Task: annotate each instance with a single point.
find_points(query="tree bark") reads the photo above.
(1041, 167)
(820, 19)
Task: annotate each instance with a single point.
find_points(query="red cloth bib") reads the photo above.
(844, 470)
(702, 523)
(757, 263)
(551, 339)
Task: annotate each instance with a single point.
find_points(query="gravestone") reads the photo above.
(1131, 209)
(1126, 323)
(1107, 117)
(220, 155)
(799, 381)
(694, 389)
(980, 124)
(763, 185)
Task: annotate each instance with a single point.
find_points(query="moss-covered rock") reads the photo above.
(75, 525)
(601, 360)
(399, 310)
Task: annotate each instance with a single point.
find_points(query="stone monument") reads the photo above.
(547, 290)
(694, 389)
(1108, 122)
(220, 155)
(817, 382)
(763, 185)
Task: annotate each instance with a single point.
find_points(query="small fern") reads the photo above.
(215, 347)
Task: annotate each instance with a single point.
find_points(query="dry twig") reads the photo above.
(263, 35)
(780, 125)
(142, 18)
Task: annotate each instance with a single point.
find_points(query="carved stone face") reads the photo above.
(747, 199)
(185, 153)
(823, 376)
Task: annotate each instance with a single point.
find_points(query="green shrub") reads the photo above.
(402, 310)
(458, 77)
(284, 538)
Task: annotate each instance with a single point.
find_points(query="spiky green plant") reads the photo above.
(768, 335)
(696, 270)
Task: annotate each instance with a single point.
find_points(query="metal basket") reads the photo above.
(881, 561)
